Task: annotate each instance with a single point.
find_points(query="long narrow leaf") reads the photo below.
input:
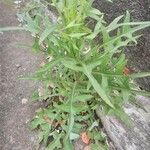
(4, 29)
(71, 119)
(137, 92)
(140, 75)
(98, 88)
(133, 30)
(46, 33)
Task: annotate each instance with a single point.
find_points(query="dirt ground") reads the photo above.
(15, 63)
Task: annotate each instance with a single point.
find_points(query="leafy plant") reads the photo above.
(83, 75)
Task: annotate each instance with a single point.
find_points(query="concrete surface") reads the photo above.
(15, 62)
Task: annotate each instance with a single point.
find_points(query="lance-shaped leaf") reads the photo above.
(140, 75)
(46, 33)
(98, 88)
(4, 29)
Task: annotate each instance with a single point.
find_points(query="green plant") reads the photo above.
(83, 75)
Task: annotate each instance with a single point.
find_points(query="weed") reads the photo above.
(83, 75)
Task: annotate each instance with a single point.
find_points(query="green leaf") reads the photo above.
(97, 61)
(74, 136)
(133, 91)
(83, 98)
(4, 29)
(71, 64)
(140, 92)
(126, 25)
(98, 88)
(104, 82)
(94, 124)
(87, 74)
(126, 34)
(120, 65)
(72, 24)
(106, 39)
(96, 11)
(122, 44)
(125, 95)
(114, 23)
(77, 35)
(23, 46)
(40, 137)
(99, 146)
(31, 26)
(101, 136)
(46, 33)
(71, 118)
(36, 46)
(140, 75)
(94, 16)
(35, 96)
(76, 108)
(55, 143)
(68, 145)
(119, 112)
(99, 24)
(127, 19)
(92, 35)
(35, 122)
(49, 65)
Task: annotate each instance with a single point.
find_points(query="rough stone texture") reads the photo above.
(14, 63)
(139, 56)
(137, 136)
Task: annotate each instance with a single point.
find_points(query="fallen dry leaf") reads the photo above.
(85, 138)
(126, 71)
(53, 123)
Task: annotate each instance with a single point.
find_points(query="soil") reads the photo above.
(139, 56)
(15, 112)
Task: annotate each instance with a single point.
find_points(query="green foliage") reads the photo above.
(86, 75)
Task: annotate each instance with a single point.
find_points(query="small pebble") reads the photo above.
(41, 91)
(27, 121)
(49, 58)
(18, 65)
(17, 2)
(32, 139)
(24, 101)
